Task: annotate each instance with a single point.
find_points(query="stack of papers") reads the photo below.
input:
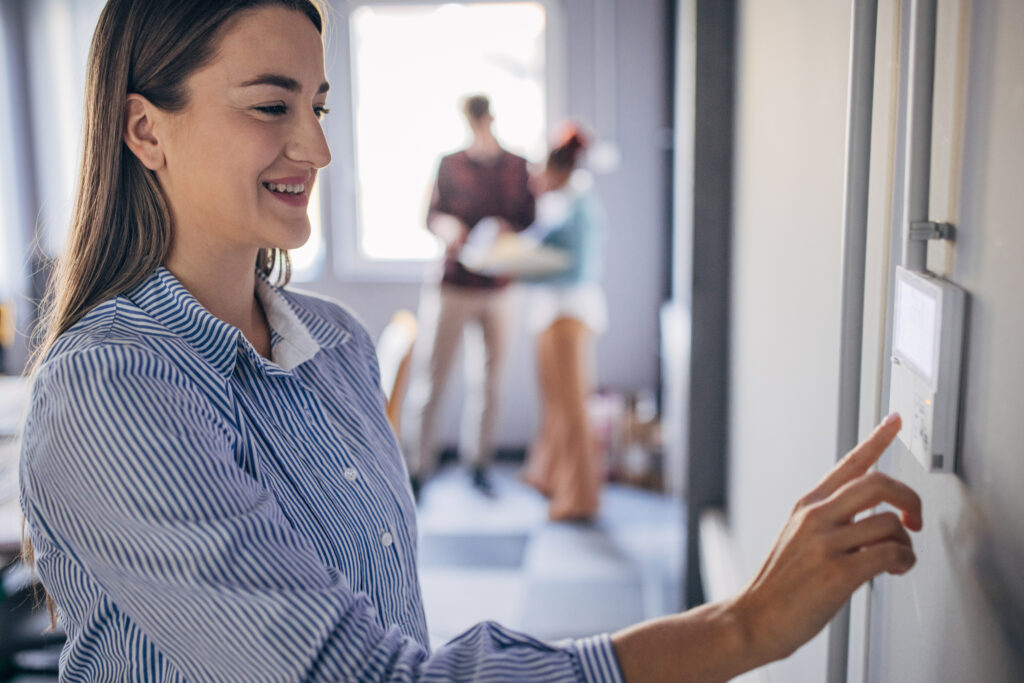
(513, 256)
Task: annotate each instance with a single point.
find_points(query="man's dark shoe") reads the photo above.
(482, 482)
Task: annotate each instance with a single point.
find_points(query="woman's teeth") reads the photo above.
(290, 189)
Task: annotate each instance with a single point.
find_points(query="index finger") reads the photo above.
(858, 461)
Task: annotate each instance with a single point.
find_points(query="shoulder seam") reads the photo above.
(113, 319)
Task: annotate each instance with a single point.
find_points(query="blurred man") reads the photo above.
(480, 184)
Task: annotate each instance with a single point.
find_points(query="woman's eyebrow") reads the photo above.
(280, 81)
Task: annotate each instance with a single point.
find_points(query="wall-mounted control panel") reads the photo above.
(927, 348)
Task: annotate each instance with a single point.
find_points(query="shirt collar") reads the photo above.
(293, 343)
(297, 336)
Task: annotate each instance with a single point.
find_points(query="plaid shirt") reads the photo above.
(471, 190)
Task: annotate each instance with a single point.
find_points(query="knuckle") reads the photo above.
(896, 554)
(799, 516)
(811, 515)
(877, 479)
(804, 502)
(900, 559)
(891, 521)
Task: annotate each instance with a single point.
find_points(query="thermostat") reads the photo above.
(927, 347)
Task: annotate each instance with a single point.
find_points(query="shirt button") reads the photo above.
(350, 474)
(386, 539)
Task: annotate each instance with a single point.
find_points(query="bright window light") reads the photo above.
(307, 260)
(10, 248)
(61, 65)
(411, 66)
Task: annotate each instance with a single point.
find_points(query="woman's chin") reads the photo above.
(294, 238)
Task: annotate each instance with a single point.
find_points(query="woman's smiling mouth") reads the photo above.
(291, 191)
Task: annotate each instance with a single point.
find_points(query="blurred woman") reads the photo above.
(211, 487)
(567, 312)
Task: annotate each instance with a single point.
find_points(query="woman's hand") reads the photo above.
(822, 555)
(452, 231)
(819, 559)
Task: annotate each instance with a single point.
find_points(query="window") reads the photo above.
(11, 249)
(411, 64)
(58, 34)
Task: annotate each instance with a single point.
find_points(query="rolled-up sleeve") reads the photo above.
(134, 498)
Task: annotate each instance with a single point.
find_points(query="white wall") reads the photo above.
(790, 122)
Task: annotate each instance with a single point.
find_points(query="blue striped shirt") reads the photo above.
(200, 513)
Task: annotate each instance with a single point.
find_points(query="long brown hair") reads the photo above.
(121, 226)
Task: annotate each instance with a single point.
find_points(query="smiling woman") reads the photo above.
(211, 486)
(237, 163)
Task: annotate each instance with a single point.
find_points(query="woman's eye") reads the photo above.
(272, 109)
(321, 111)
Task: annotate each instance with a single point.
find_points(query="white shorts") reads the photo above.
(584, 302)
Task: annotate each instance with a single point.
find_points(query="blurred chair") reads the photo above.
(6, 332)
(394, 353)
(27, 645)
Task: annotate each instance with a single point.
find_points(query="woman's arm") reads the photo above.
(818, 561)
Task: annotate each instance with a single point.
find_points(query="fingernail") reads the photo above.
(892, 417)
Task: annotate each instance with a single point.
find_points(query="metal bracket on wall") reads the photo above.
(932, 231)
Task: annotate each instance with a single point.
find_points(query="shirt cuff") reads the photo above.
(597, 659)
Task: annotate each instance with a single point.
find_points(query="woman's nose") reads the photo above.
(309, 143)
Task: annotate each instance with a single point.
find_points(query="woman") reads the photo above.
(210, 484)
(566, 312)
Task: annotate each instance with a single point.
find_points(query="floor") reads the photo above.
(501, 559)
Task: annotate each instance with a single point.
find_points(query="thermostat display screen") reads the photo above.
(916, 319)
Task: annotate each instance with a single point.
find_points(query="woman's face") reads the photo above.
(242, 157)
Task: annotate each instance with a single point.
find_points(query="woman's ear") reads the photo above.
(140, 133)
